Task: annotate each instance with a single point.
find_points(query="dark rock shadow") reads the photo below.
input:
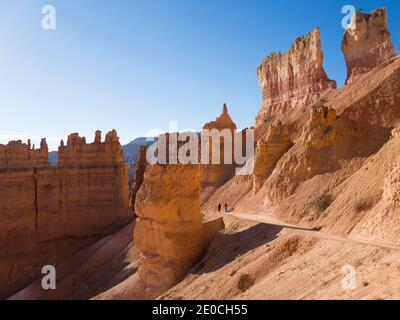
(227, 247)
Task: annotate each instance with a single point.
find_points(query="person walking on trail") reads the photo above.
(219, 207)
(226, 207)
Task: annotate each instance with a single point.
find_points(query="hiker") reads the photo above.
(219, 207)
(226, 207)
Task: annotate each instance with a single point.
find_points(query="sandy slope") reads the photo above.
(272, 261)
(314, 233)
(91, 270)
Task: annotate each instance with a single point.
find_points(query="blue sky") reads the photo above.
(135, 65)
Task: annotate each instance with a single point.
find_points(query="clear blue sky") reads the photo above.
(134, 65)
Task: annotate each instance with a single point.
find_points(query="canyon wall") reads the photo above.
(294, 79)
(169, 230)
(47, 213)
(269, 150)
(140, 169)
(366, 43)
(16, 155)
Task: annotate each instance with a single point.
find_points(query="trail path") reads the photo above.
(308, 232)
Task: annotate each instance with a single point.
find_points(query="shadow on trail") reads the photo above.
(227, 247)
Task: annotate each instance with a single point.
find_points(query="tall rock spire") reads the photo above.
(224, 121)
(224, 109)
(366, 43)
(294, 79)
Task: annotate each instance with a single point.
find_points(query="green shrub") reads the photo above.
(363, 205)
(322, 202)
(244, 282)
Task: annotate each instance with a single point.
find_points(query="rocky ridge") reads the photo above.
(294, 79)
(366, 43)
(47, 212)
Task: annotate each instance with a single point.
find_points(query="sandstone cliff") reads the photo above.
(140, 169)
(325, 145)
(16, 155)
(366, 43)
(78, 153)
(224, 121)
(294, 79)
(269, 150)
(169, 231)
(47, 213)
(214, 175)
(344, 128)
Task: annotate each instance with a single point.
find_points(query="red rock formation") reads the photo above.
(391, 189)
(47, 213)
(140, 169)
(366, 43)
(224, 121)
(324, 145)
(169, 230)
(292, 80)
(77, 152)
(321, 130)
(16, 155)
(214, 175)
(269, 150)
(373, 98)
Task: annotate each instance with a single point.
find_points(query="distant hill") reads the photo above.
(131, 149)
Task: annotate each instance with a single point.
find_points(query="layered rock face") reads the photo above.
(269, 150)
(19, 166)
(140, 169)
(224, 121)
(324, 145)
(169, 231)
(77, 152)
(294, 79)
(16, 155)
(214, 175)
(391, 189)
(47, 213)
(320, 131)
(88, 190)
(366, 43)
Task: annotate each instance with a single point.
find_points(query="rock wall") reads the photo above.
(140, 169)
(47, 213)
(169, 231)
(78, 153)
(321, 130)
(366, 43)
(214, 175)
(391, 189)
(325, 144)
(294, 79)
(269, 150)
(16, 155)
(224, 121)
